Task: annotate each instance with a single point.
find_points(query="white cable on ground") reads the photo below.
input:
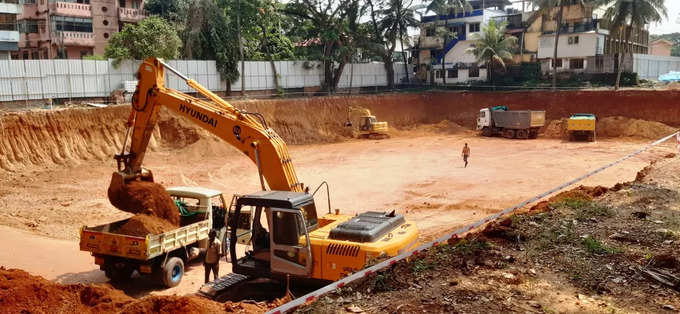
(444, 239)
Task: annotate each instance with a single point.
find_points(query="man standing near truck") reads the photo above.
(212, 256)
(466, 154)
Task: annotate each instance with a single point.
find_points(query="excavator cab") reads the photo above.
(367, 124)
(281, 244)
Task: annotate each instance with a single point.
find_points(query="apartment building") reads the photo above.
(585, 43)
(9, 35)
(72, 29)
(459, 65)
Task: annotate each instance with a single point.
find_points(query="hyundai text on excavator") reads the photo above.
(293, 242)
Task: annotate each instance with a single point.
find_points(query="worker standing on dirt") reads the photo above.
(466, 154)
(212, 256)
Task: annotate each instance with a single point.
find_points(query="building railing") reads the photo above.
(130, 14)
(71, 8)
(74, 38)
(580, 26)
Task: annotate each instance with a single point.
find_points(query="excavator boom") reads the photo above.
(248, 132)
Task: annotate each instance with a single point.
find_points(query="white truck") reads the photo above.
(163, 255)
(520, 124)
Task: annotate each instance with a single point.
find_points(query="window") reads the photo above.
(429, 32)
(453, 73)
(105, 22)
(474, 70)
(287, 229)
(599, 63)
(104, 9)
(576, 64)
(135, 4)
(71, 24)
(559, 63)
(438, 74)
(35, 55)
(25, 57)
(29, 1)
(106, 35)
(573, 40)
(8, 22)
(121, 3)
(29, 27)
(474, 27)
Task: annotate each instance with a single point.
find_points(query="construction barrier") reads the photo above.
(455, 234)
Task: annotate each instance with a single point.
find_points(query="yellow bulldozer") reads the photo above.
(367, 125)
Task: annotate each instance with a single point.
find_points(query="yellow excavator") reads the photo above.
(288, 240)
(368, 125)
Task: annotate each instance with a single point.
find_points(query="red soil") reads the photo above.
(141, 225)
(141, 197)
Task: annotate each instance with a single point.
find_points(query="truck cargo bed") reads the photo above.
(518, 119)
(102, 240)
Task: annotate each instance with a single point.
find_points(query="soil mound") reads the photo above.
(21, 292)
(615, 127)
(142, 197)
(627, 127)
(443, 127)
(141, 225)
(173, 304)
(580, 193)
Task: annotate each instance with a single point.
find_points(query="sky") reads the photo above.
(670, 25)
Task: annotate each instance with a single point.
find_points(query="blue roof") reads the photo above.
(432, 18)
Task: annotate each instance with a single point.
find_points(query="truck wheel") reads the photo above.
(173, 272)
(509, 133)
(533, 134)
(486, 131)
(523, 134)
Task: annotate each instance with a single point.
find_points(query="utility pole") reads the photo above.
(240, 48)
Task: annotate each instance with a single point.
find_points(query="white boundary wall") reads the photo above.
(651, 67)
(42, 79)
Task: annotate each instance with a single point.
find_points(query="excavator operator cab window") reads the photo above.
(309, 211)
(366, 124)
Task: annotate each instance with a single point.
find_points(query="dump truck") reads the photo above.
(163, 255)
(520, 124)
(581, 126)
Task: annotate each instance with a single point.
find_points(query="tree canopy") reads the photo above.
(151, 37)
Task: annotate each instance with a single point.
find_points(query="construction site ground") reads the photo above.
(576, 253)
(45, 199)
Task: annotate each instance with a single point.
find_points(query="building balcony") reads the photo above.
(10, 8)
(80, 39)
(131, 15)
(71, 9)
(431, 42)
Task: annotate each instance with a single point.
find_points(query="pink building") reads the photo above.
(72, 29)
(660, 47)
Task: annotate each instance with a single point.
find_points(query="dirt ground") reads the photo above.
(54, 175)
(577, 255)
(419, 173)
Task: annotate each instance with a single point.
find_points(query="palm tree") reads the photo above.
(397, 18)
(447, 7)
(546, 8)
(492, 48)
(627, 14)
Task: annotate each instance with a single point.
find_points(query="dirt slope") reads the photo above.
(68, 136)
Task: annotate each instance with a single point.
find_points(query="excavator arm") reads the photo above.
(248, 132)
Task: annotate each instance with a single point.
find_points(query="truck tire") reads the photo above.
(523, 134)
(172, 272)
(486, 131)
(533, 134)
(509, 133)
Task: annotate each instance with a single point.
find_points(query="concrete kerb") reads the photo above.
(445, 238)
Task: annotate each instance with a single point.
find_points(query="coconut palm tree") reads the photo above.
(548, 8)
(447, 7)
(624, 15)
(397, 17)
(492, 47)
